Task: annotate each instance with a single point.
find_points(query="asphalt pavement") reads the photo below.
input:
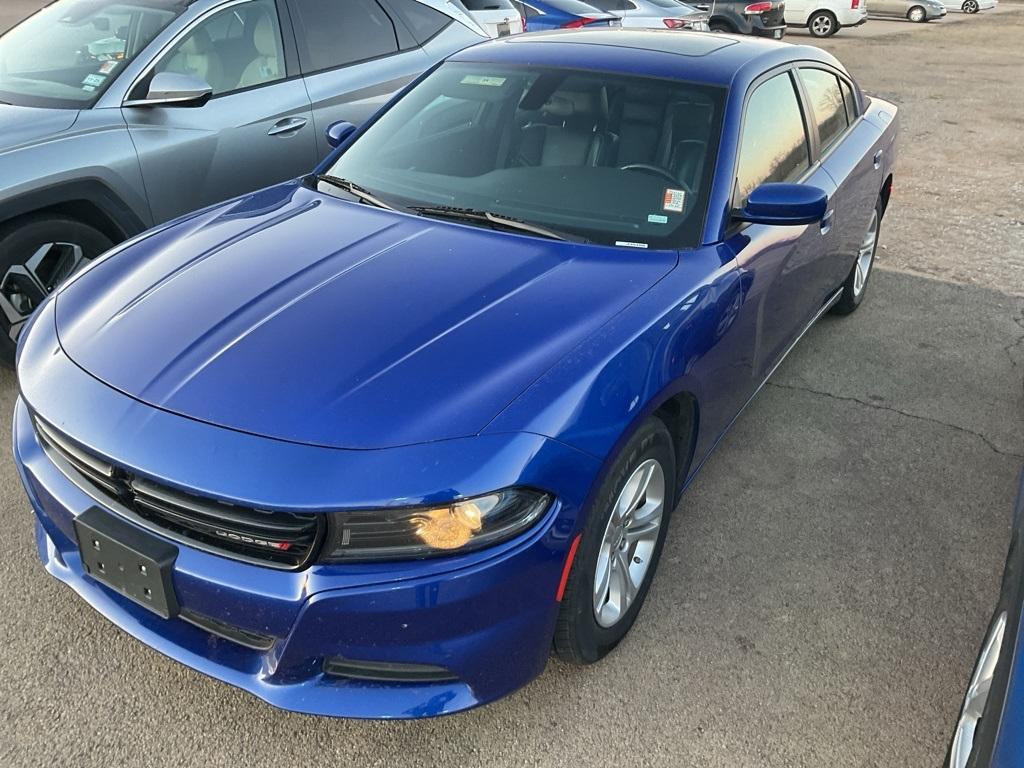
(827, 579)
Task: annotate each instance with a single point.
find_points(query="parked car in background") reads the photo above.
(120, 114)
(277, 439)
(499, 18)
(970, 6)
(916, 10)
(563, 14)
(763, 18)
(823, 18)
(990, 731)
(655, 14)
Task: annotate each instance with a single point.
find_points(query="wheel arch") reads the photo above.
(885, 193)
(90, 201)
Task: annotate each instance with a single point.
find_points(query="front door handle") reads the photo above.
(288, 125)
(828, 220)
(878, 159)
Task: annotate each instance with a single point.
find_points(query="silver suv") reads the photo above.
(116, 115)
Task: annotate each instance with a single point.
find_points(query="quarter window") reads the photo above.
(238, 48)
(334, 33)
(423, 21)
(850, 99)
(774, 145)
(827, 104)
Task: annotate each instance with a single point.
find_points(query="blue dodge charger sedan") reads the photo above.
(372, 442)
(989, 733)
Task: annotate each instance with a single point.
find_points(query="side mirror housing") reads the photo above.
(173, 89)
(784, 205)
(338, 132)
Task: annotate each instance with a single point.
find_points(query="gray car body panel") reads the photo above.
(144, 165)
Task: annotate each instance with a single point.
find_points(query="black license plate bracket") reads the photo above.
(130, 561)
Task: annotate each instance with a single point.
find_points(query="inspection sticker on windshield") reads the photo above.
(494, 82)
(674, 200)
(94, 80)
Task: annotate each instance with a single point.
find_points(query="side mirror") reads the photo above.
(338, 132)
(173, 89)
(784, 205)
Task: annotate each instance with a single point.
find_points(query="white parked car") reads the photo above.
(970, 6)
(498, 18)
(655, 14)
(823, 18)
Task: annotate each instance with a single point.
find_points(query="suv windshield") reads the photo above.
(66, 55)
(612, 159)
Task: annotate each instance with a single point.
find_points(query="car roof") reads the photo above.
(694, 56)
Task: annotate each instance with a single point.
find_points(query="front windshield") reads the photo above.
(612, 159)
(66, 55)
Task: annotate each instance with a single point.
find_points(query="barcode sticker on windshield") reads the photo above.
(483, 80)
(674, 200)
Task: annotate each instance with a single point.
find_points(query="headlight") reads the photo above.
(977, 694)
(416, 532)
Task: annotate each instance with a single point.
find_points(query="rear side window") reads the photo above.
(828, 107)
(526, 11)
(423, 21)
(773, 146)
(332, 33)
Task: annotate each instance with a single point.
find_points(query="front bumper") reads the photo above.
(489, 622)
(487, 617)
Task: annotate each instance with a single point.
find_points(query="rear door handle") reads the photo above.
(288, 125)
(827, 221)
(878, 159)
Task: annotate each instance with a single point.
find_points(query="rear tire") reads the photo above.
(970, 6)
(822, 24)
(721, 26)
(856, 285)
(619, 548)
(37, 253)
(917, 14)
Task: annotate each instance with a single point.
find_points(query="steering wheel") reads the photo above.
(657, 170)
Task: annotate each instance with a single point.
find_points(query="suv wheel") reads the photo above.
(822, 24)
(717, 25)
(36, 255)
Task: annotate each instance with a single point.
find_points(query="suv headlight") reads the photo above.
(417, 532)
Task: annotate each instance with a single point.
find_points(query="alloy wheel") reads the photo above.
(630, 537)
(865, 256)
(821, 26)
(26, 285)
(970, 6)
(916, 14)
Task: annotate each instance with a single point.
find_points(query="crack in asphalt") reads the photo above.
(1019, 341)
(878, 406)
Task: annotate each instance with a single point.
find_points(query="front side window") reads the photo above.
(333, 34)
(827, 104)
(69, 53)
(237, 48)
(773, 146)
(542, 145)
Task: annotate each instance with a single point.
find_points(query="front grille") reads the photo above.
(276, 539)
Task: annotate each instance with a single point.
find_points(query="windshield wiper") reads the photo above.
(472, 214)
(363, 195)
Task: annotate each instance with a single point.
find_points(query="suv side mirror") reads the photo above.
(784, 205)
(173, 89)
(338, 132)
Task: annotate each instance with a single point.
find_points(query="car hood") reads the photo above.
(25, 125)
(298, 316)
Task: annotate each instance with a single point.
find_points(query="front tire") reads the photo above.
(970, 6)
(38, 253)
(619, 548)
(917, 14)
(856, 285)
(822, 24)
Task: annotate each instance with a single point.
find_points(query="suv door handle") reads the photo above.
(878, 159)
(288, 125)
